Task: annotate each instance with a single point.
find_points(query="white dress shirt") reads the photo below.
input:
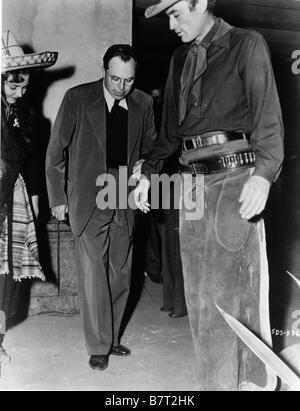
(110, 100)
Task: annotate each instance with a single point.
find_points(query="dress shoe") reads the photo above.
(177, 315)
(120, 350)
(98, 362)
(166, 309)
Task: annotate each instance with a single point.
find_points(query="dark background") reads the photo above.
(279, 22)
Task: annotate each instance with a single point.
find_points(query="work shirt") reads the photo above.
(237, 92)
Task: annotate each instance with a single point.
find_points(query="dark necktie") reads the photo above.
(194, 66)
(115, 107)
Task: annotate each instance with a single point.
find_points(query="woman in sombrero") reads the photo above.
(19, 178)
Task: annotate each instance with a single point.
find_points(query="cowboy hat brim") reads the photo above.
(152, 11)
(35, 60)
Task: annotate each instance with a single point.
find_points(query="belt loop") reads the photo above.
(244, 137)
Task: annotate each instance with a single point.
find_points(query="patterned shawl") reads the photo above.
(25, 258)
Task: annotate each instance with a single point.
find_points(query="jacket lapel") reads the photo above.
(97, 116)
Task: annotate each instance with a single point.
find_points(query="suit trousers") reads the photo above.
(104, 254)
(225, 263)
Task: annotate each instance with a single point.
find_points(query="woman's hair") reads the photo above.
(17, 76)
(124, 51)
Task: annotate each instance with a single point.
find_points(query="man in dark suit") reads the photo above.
(106, 126)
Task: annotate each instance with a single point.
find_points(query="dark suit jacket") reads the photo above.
(80, 130)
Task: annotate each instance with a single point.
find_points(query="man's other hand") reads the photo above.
(254, 196)
(59, 212)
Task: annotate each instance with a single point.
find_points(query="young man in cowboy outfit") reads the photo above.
(221, 106)
(19, 161)
(106, 126)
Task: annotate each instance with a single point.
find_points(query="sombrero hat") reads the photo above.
(14, 58)
(152, 11)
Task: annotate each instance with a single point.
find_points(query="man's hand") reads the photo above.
(141, 195)
(137, 169)
(59, 212)
(254, 197)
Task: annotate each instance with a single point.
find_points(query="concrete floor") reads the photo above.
(48, 353)
(48, 350)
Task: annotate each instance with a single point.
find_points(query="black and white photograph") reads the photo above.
(149, 198)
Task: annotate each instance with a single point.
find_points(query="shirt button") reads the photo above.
(195, 104)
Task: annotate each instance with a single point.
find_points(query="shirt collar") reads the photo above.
(222, 39)
(217, 34)
(110, 100)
